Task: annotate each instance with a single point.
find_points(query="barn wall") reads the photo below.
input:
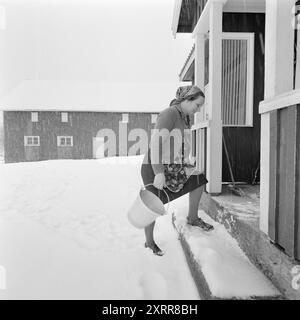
(83, 126)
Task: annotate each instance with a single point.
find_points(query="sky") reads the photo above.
(91, 40)
(107, 40)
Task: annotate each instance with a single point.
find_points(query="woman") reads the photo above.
(188, 101)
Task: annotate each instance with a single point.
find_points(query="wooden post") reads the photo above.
(297, 231)
(278, 79)
(297, 80)
(199, 71)
(214, 132)
(199, 60)
(279, 47)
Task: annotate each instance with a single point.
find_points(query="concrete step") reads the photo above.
(240, 217)
(219, 267)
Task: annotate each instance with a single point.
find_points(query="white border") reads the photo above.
(2, 17)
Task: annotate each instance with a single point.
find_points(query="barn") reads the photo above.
(47, 119)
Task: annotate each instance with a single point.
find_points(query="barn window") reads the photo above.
(31, 141)
(65, 141)
(64, 117)
(34, 116)
(125, 117)
(153, 118)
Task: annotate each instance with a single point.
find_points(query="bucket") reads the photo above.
(146, 208)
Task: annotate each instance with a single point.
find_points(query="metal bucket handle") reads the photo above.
(151, 184)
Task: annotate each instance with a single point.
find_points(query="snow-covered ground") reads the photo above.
(226, 268)
(64, 234)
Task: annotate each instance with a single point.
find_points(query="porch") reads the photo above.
(241, 218)
(265, 222)
(227, 62)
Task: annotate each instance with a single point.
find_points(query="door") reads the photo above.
(241, 133)
(98, 147)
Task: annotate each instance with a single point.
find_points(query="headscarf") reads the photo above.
(186, 92)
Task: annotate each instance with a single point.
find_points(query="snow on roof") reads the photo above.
(47, 95)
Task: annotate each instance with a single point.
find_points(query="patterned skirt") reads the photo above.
(194, 182)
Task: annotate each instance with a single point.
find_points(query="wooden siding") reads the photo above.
(83, 126)
(284, 208)
(243, 143)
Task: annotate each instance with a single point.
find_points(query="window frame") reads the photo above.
(64, 117)
(249, 37)
(64, 137)
(34, 116)
(26, 144)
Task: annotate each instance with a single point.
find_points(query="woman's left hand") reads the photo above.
(159, 181)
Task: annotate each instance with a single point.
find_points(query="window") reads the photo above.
(34, 116)
(31, 141)
(64, 117)
(65, 141)
(125, 117)
(2, 18)
(194, 144)
(237, 79)
(153, 118)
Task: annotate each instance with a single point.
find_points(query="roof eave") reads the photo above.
(187, 65)
(176, 15)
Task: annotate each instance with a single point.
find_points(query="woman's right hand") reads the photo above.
(159, 181)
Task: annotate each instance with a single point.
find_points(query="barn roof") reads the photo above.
(48, 95)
